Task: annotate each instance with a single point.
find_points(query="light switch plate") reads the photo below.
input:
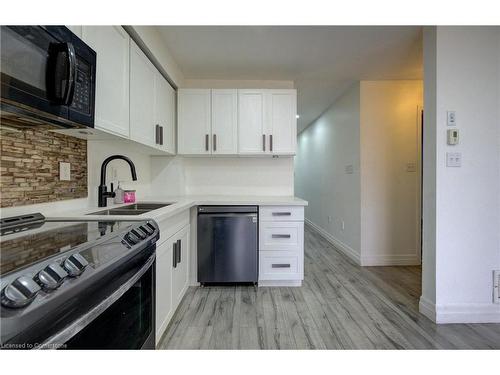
(453, 159)
(451, 118)
(452, 137)
(411, 167)
(64, 171)
(349, 169)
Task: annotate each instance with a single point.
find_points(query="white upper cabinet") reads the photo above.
(237, 122)
(193, 118)
(281, 106)
(111, 44)
(165, 114)
(252, 131)
(225, 122)
(142, 97)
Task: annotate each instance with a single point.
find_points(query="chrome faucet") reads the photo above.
(103, 193)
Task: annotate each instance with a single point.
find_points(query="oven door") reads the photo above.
(49, 70)
(124, 320)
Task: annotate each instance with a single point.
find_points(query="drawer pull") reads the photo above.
(282, 214)
(280, 265)
(280, 236)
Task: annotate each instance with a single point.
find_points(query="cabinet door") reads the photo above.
(112, 77)
(225, 122)
(180, 272)
(165, 113)
(252, 138)
(193, 121)
(281, 108)
(164, 307)
(142, 94)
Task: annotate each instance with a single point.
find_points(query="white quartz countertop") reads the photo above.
(179, 204)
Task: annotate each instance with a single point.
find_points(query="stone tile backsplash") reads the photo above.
(29, 165)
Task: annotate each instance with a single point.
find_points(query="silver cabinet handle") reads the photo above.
(157, 134)
(263, 142)
(206, 142)
(280, 236)
(271, 142)
(282, 214)
(280, 265)
(161, 135)
(215, 142)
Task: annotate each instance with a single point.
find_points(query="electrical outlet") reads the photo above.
(349, 169)
(453, 159)
(496, 286)
(64, 171)
(329, 219)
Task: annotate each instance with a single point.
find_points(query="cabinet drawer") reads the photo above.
(280, 266)
(281, 236)
(281, 213)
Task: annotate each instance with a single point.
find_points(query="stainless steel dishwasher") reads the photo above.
(227, 244)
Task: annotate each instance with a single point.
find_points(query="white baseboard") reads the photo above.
(391, 260)
(283, 283)
(460, 312)
(410, 259)
(346, 249)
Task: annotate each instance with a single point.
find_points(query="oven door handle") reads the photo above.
(68, 332)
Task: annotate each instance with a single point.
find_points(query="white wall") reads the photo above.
(239, 176)
(467, 243)
(390, 193)
(324, 149)
(237, 84)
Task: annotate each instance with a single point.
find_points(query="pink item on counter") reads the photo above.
(129, 196)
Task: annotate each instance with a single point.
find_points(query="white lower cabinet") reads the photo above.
(181, 266)
(172, 270)
(164, 254)
(281, 245)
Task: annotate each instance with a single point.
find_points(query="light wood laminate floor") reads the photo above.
(339, 306)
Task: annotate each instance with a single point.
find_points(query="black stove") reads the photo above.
(59, 278)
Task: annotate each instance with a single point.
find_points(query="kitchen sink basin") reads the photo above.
(132, 209)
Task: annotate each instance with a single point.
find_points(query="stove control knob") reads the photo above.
(75, 265)
(21, 292)
(51, 277)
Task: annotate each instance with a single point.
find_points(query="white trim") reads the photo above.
(411, 259)
(289, 283)
(460, 312)
(346, 249)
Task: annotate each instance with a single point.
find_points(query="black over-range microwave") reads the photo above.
(49, 73)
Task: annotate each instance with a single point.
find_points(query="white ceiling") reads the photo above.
(322, 60)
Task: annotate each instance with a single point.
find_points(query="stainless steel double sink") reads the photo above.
(132, 209)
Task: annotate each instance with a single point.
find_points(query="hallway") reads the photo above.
(339, 306)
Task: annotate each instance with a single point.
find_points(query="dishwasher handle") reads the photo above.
(228, 214)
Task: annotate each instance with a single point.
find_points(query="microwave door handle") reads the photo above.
(70, 87)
